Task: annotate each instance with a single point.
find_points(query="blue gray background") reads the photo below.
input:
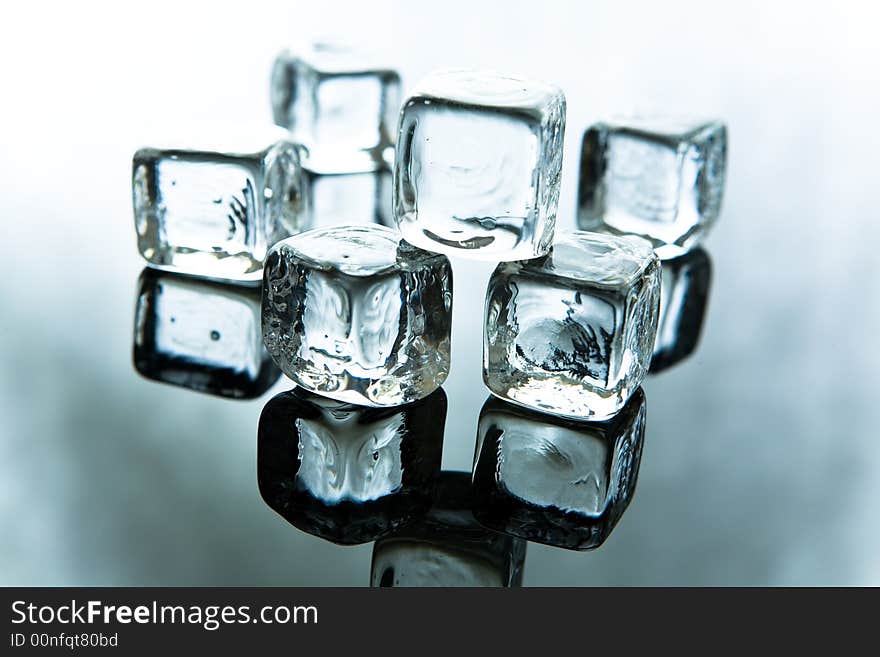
(762, 459)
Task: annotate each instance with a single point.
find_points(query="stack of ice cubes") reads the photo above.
(207, 214)
(348, 213)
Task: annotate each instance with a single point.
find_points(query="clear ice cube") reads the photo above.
(357, 314)
(336, 103)
(347, 473)
(447, 547)
(660, 179)
(477, 165)
(684, 294)
(350, 199)
(216, 214)
(572, 333)
(201, 335)
(552, 480)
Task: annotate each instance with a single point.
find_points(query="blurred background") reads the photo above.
(762, 460)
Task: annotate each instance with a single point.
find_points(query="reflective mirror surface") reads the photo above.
(348, 473)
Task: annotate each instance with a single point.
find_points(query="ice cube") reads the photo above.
(572, 333)
(201, 335)
(357, 314)
(447, 547)
(339, 104)
(477, 165)
(658, 178)
(347, 473)
(350, 199)
(552, 480)
(684, 293)
(216, 214)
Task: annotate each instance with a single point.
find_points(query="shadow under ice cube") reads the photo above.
(341, 107)
(661, 180)
(216, 214)
(347, 473)
(477, 165)
(556, 481)
(447, 547)
(357, 314)
(201, 335)
(572, 333)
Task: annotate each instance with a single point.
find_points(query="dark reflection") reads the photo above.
(348, 473)
(448, 547)
(202, 335)
(556, 481)
(337, 199)
(684, 293)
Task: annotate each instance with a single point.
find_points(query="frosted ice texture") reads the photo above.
(659, 179)
(358, 315)
(572, 333)
(349, 473)
(556, 481)
(201, 335)
(341, 107)
(477, 165)
(216, 214)
(684, 294)
(447, 547)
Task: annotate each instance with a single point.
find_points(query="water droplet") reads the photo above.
(215, 335)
